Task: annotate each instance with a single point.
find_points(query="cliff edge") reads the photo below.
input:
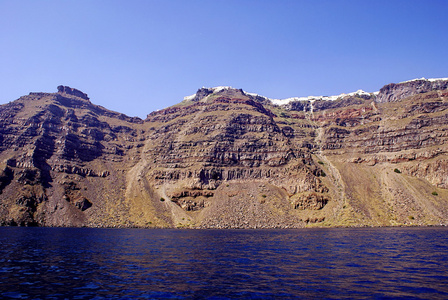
(225, 158)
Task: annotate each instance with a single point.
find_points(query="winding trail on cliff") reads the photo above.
(333, 171)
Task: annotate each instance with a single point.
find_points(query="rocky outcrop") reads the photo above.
(312, 201)
(224, 158)
(395, 92)
(47, 139)
(71, 91)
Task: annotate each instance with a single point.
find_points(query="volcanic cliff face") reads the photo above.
(224, 158)
(61, 159)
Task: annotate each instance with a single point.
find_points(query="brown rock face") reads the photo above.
(71, 91)
(51, 140)
(227, 159)
(395, 92)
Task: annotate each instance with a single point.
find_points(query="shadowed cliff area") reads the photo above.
(224, 158)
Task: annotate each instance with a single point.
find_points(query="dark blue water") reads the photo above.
(81, 263)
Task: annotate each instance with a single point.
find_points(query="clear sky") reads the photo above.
(139, 56)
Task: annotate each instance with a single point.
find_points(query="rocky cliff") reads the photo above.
(224, 158)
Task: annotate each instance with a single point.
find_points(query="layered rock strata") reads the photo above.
(224, 158)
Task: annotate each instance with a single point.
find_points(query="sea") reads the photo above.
(337, 263)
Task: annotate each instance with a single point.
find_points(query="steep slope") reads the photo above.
(389, 158)
(63, 161)
(222, 161)
(224, 158)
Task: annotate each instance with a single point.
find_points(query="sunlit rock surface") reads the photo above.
(225, 158)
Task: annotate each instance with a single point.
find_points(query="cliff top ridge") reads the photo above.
(62, 89)
(410, 87)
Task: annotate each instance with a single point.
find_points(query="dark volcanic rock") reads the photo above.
(71, 91)
(228, 159)
(395, 92)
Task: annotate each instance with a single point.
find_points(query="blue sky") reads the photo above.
(139, 56)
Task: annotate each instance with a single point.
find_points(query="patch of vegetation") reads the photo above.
(264, 196)
(162, 199)
(322, 173)
(320, 162)
(435, 193)
(397, 171)
(411, 217)
(284, 115)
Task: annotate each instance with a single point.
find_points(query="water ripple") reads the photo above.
(388, 263)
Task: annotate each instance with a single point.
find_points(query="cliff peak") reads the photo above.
(396, 91)
(62, 89)
(424, 79)
(206, 91)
